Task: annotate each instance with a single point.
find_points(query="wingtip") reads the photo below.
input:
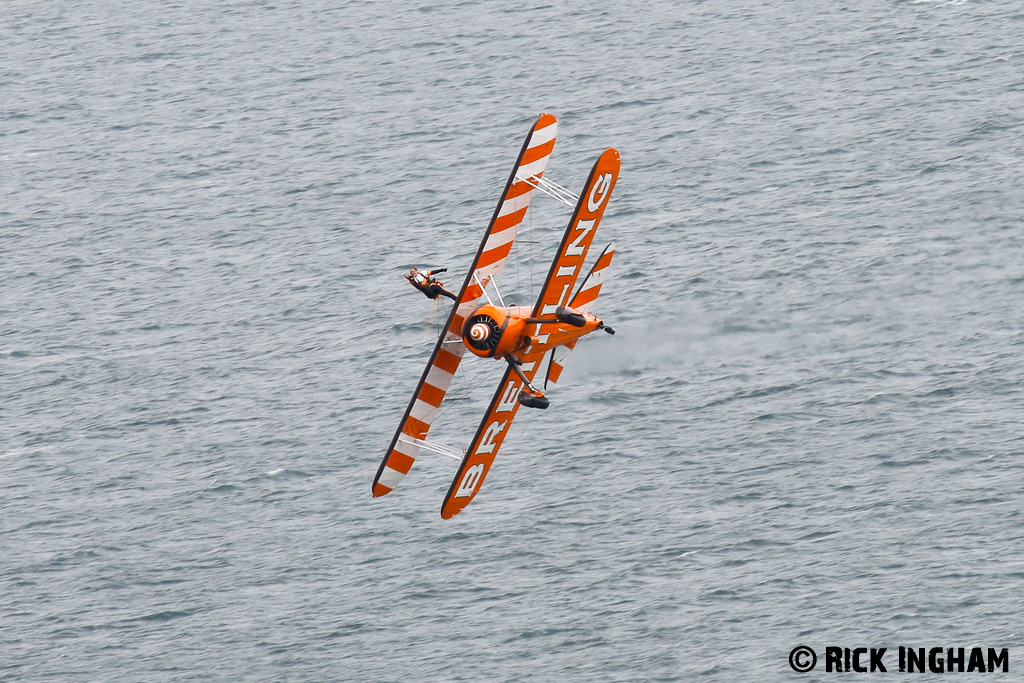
(451, 507)
(379, 490)
(545, 119)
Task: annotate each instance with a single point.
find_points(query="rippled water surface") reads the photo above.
(806, 431)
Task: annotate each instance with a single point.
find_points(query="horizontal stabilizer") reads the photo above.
(591, 287)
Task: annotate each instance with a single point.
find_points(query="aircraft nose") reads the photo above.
(480, 331)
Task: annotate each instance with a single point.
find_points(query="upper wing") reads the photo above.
(490, 259)
(583, 301)
(556, 291)
(573, 251)
(509, 214)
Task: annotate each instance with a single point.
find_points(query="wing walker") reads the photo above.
(519, 336)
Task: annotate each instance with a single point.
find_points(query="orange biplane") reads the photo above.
(519, 336)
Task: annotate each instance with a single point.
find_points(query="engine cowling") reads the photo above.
(490, 331)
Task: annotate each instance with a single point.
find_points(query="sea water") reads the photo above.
(806, 431)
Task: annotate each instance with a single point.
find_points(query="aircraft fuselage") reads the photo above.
(494, 332)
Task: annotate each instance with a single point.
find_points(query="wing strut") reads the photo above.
(554, 190)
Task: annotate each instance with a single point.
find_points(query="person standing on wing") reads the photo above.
(430, 287)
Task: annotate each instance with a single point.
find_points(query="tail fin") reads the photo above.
(591, 287)
(582, 301)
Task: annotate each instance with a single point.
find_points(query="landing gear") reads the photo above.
(529, 396)
(531, 400)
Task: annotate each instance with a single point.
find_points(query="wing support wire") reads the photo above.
(434, 447)
(552, 189)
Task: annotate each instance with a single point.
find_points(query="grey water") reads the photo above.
(807, 431)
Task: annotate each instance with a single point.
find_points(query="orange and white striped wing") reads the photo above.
(556, 292)
(572, 253)
(509, 214)
(490, 259)
(420, 414)
(489, 437)
(583, 302)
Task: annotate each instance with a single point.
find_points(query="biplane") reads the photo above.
(519, 337)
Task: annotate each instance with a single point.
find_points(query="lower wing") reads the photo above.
(489, 437)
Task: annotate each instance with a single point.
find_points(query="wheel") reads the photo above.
(533, 401)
